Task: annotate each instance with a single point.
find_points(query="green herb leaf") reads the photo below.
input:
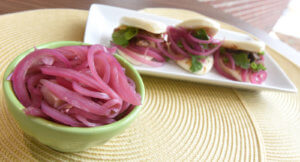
(201, 34)
(179, 44)
(130, 33)
(222, 50)
(261, 67)
(225, 59)
(253, 66)
(261, 53)
(241, 59)
(257, 67)
(196, 65)
(205, 46)
(122, 37)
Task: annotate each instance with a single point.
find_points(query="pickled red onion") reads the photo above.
(58, 116)
(76, 99)
(149, 38)
(244, 73)
(195, 52)
(86, 92)
(147, 51)
(18, 78)
(231, 60)
(138, 58)
(258, 77)
(80, 80)
(33, 111)
(169, 53)
(192, 38)
(218, 67)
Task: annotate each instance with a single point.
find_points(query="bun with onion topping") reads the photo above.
(191, 44)
(136, 39)
(241, 61)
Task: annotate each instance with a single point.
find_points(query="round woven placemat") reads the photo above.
(179, 121)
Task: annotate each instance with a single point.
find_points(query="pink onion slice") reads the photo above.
(58, 116)
(18, 78)
(74, 52)
(91, 61)
(147, 51)
(126, 92)
(64, 82)
(86, 122)
(258, 77)
(34, 92)
(79, 77)
(244, 73)
(86, 92)
(140, 59)
(262, 57)
(111, 103)
(169, 53)
(103, 67)
(125, 106)
(192, 51)
(33, 111)
(231, 60)
(131, 82)
(48, 60)
(210, 41)
(218, 67)
(77, 100)
(81, 66)
(90, 116)
(174, 45)
(132, 96)
(149, 38)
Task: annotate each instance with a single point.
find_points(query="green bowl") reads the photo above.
(65, 138)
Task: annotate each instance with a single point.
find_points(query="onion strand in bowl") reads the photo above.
(80, 86)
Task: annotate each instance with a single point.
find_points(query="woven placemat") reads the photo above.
(179, 121)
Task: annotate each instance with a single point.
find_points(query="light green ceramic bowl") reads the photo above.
(65, 138)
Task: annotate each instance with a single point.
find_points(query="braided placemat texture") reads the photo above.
(180, 120)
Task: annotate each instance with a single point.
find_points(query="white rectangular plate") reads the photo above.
(103, 19)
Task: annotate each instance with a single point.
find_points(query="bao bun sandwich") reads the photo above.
(241, 61)
(136, 40)
(191, 44)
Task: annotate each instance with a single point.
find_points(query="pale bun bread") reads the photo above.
(206, 66)
(251, 45)
(210, 26)
(145, 24)
(133, 61)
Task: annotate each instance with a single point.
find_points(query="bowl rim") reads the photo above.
(8, 91)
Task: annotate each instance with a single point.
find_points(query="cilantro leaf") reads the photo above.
(130, 33)
(201, 34)
(122, 37)
(196, 65)
(241, 59)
